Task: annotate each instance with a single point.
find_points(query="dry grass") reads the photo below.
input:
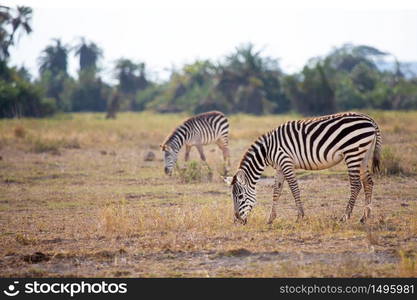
(19, 131)
(114, 220)
(408, 263)
(99, 209)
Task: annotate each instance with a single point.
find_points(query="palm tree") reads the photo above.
(53, 63)
(54, 58)
(19, 19)
(249, 81)
(131, 76)
(89, 54)
(4, 21)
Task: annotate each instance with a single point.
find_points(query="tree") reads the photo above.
(89, 93)
(251, 82)
(311, 92)
(11, 22)
(131, 78)
(187, 90)
(350, 77)
(19, 97)
(88, 53)
(364, 77)
(54, 58)
(346, 57)
(53, 63)
(245, 81)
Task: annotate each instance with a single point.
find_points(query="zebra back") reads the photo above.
(306, 140)
(208, 126)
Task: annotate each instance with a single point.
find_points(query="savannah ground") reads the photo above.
(77, 199)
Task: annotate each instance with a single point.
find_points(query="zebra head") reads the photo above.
(243, 195)
(170, 158)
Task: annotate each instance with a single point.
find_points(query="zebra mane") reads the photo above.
(171, 136)
(251, 148)
(327, 117)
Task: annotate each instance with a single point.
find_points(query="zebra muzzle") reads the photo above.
(239, 220)
(167, 171)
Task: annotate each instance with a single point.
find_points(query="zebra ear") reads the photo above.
(240, 177)
(228, 180)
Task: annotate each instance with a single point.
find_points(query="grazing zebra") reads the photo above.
(202, 129)
(310, 144)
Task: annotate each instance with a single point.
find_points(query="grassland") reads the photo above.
(77, 198)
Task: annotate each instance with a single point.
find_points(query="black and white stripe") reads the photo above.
(310, 144)
(202, 129)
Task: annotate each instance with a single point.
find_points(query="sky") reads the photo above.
(168, 34)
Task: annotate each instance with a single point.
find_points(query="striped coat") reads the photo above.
(310, 144)
(202, 129)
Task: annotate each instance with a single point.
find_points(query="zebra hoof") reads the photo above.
(300, 218)
(366, 214)
(344, 218)
(271, 218)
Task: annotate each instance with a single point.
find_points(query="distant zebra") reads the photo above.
(202, 129)
(310, 144)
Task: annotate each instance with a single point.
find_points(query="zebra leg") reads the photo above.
(279, 181)
(355, 187)
(226, 155)
(201, 152)
(367, 186)
(292, 182)
(203, 158)
(187, 152)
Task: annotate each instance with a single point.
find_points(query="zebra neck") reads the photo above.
(177, 140)
(254, 162)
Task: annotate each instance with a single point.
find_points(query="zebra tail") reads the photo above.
(376, 160)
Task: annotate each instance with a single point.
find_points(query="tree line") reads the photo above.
(348, 77)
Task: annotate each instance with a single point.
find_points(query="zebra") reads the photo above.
(310, 144)
(199, 130)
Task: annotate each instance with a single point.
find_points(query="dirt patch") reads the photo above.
(36, 257)
(235, 252)
(214, 193)
(124, 264)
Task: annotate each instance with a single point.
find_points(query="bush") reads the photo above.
(46, 146)
(20, 98)
(19, 131)
(195, 172)
(89, 93)
(48, 107)
(390, 162)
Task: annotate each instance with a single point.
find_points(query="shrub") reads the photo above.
(48, 107)
(23, 99)
(390, 162)
(195, 172)
(19, 131)
(71, 144)
(46, 146)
